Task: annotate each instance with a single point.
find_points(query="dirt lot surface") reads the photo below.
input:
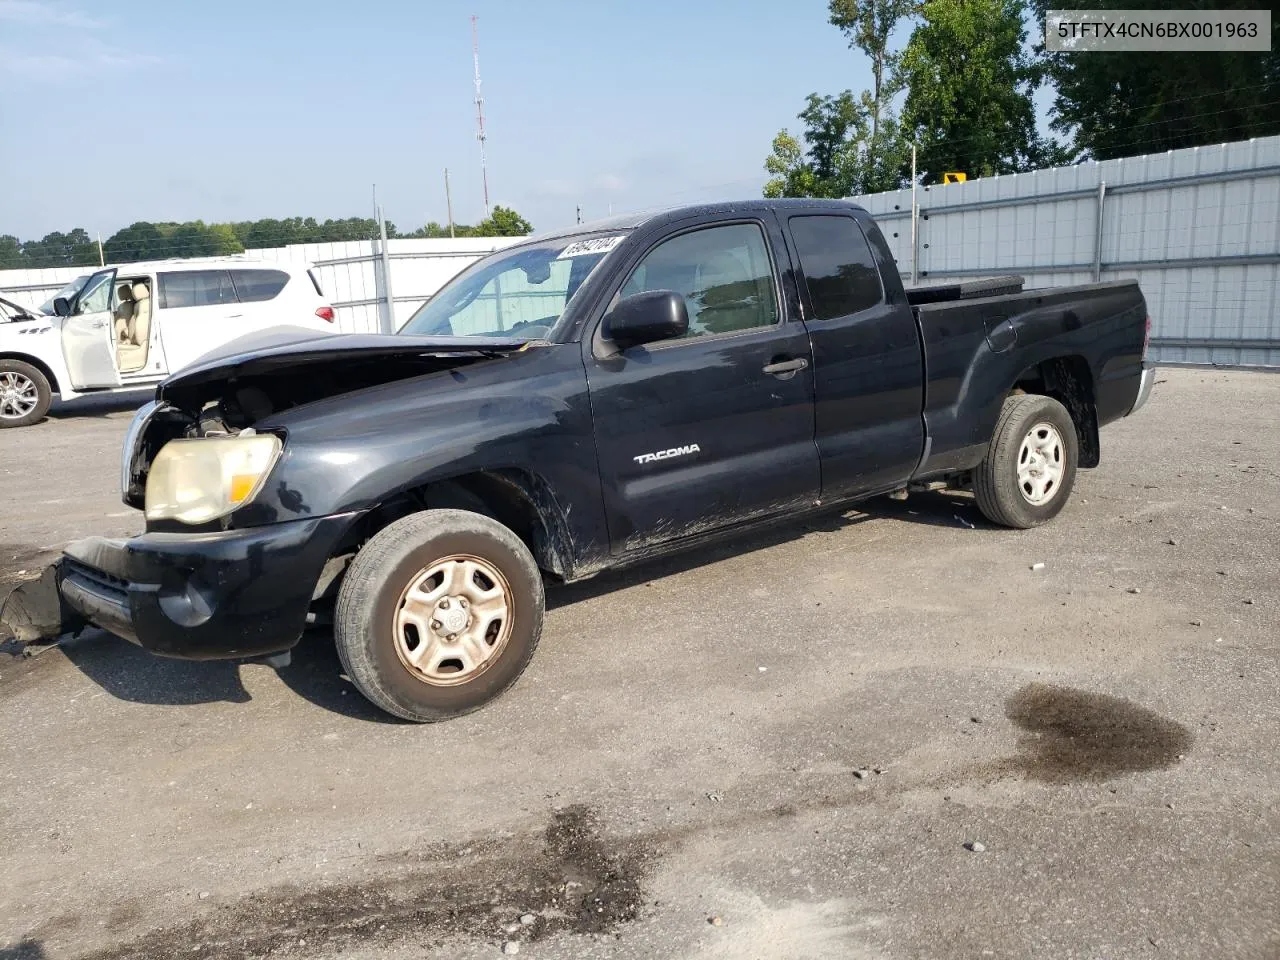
(777, 748)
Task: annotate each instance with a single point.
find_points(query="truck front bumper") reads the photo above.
(203, 596)
(1144, 385)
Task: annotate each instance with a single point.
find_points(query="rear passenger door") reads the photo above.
(198, 312)
(716, 427)
(869, 385)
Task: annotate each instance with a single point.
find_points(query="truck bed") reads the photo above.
(965, 378)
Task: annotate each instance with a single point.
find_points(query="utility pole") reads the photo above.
(915, 216)
(388, 324)
(448, 199)
(578, 212)
(387, 317)
(475, 56)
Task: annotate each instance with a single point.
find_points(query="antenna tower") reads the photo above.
(475, 56)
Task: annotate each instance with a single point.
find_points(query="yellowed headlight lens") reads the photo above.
(195, 481)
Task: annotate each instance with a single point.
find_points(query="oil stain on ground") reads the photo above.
(571, 879)
(1073, 735)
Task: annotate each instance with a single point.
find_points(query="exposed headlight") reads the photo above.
(195, 481)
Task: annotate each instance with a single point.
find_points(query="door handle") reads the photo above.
(786, 368)
(99, 324)
(235, 316)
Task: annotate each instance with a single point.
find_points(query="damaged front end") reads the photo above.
(224, 589)
(222, 396)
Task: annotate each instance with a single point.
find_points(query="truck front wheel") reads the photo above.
(439, 614)
(1030, 466)
(25, 394)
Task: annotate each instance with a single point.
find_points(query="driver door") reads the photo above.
(87, 335)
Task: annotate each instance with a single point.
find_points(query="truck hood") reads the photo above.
(329, 363)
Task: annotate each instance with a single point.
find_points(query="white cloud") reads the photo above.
(41, 13)
(53, 66)
(610, 181)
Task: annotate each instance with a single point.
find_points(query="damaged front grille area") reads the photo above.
(153, 426)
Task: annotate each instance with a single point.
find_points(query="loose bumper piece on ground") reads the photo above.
(34, 610)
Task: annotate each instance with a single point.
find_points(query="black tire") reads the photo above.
(996, 486)
(44, 393)
(365, 630)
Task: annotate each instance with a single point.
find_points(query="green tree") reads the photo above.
(195, 239)
(851, 144)
(272, 233)
(138, 241)
(59, 249)
(844, 151)
(222, 240)
(10, 252)
(1121, 104)
(867, 25)
(503, 222)
(969, 83)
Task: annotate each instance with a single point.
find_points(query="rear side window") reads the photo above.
(196, 288)
(256, 285)
(839, 268)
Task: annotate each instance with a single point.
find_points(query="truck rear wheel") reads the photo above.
(1030, 466)
(439, 614)
(25, 394)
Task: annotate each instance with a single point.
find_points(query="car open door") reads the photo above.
(87, 334)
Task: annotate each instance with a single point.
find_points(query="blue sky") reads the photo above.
(229, 110)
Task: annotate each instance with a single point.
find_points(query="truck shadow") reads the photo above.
(938, 509)
(132, 674)
(96, 405)
(315, 674)
(129, 673)
(25, 949)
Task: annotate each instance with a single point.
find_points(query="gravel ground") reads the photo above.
(877, 735)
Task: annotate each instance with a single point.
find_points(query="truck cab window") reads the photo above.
(839, 268)
(723, 273)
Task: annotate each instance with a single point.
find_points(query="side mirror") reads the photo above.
(62, 307)
(647, 317)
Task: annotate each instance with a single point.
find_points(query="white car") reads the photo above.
(133, 325)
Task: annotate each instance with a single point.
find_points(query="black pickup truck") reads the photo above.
(579, 402)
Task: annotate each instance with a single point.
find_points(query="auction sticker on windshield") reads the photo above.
(586, 248)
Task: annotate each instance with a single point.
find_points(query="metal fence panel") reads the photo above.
(1198, 228)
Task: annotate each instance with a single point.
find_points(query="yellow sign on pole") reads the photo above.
(954, 177)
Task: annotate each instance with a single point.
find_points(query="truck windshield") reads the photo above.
(520, 292)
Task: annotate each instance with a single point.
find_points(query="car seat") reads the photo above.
(123, 313)
(131, 350)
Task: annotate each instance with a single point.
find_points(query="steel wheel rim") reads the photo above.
(1042, 461)
(453, 620)
(18, 395)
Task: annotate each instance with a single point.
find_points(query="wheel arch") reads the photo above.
(36, 362)
(1069, 380)
(519, 499)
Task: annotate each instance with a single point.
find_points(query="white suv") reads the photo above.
(130, 326)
